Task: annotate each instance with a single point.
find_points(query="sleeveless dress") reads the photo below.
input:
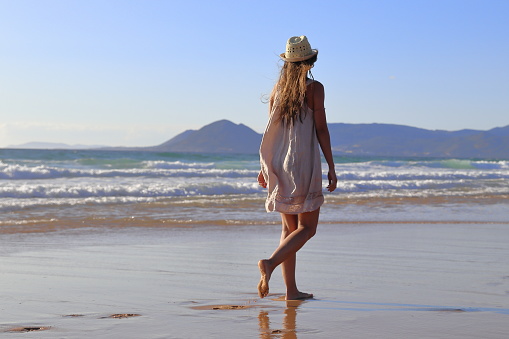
(291, 164)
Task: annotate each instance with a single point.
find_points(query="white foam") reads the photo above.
(115, 189)
(23, 172)
(159, 164)
(104, 181)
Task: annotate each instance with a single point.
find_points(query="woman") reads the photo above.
(290, 161)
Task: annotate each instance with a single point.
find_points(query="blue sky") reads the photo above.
(137, 73)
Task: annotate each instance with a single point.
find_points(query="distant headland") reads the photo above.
(224, 136)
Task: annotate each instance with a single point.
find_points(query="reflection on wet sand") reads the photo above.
(289, 323)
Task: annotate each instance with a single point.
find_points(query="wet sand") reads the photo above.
(388, 280)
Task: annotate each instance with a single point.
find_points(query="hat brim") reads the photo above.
(315, 52)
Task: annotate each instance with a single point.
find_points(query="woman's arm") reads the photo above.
(322, 131)
(261, 179)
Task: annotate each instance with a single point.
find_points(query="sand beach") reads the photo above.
(389, 280)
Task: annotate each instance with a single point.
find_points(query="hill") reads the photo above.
(398, 140)
(354, 139)
(222, 136)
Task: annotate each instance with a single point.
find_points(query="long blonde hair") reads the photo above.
(291, 89)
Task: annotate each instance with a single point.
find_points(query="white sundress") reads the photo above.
(291, 164)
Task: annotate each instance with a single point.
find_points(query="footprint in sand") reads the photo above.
(74, 315)
(121, 315)
(228, 307)
(29, 329)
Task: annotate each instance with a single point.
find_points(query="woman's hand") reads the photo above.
(261, 180)
(333, 180)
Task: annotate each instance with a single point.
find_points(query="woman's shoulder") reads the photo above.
(315, 83)
(315, 86)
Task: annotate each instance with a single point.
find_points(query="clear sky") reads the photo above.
(137, 73)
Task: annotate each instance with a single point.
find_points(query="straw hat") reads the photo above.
(298, 49)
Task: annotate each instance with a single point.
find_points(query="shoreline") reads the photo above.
(38, 226)
(63, 227)
(236, 210)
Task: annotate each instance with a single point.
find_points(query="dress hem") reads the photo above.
(310, 205)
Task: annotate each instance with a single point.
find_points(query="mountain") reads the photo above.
(219, 137)
(354, 139)
(398, 140)
(224, 136)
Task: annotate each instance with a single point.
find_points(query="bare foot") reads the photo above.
(299, 296)
(263, 285)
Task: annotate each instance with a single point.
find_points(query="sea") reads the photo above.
(54, 190)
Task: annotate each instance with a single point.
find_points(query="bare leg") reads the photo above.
(290, 223)
(290, 243)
